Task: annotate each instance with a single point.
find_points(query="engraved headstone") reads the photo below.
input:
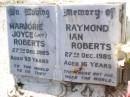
(32, 43)
(88, 36)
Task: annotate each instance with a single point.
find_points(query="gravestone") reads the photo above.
(88, 37)
(32, 43)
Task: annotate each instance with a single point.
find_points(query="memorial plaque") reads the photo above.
(88, 37)
(32, 43)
